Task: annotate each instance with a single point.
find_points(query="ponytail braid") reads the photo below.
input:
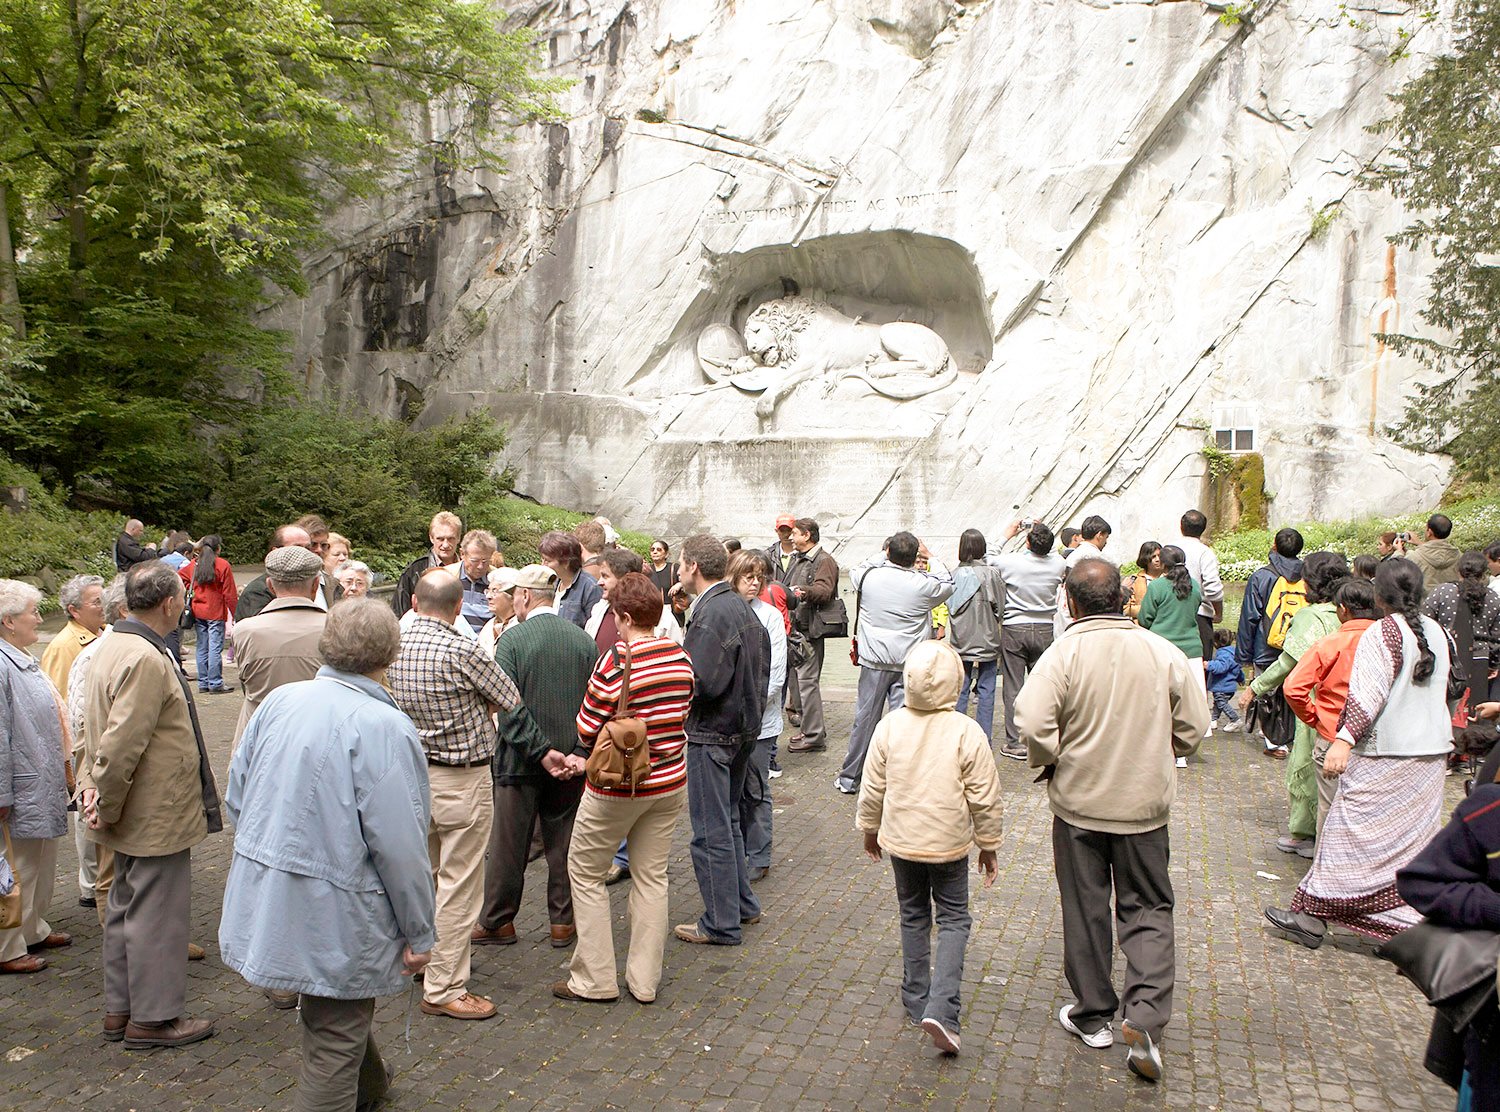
(1426, 662)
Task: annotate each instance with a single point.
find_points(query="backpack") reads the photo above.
(621, 757)
(1285, 600)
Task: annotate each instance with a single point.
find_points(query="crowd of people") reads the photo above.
(398, 763)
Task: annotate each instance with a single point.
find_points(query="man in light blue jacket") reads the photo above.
(894, 616)
(330, 892)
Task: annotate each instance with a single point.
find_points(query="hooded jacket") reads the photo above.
(1250, 644)
(930, 789)
(1438, 560)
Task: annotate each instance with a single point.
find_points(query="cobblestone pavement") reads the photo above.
(805, 1014)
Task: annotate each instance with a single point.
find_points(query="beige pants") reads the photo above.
(34, 861)
(463, 808)
(1327, 788)
(646, 825)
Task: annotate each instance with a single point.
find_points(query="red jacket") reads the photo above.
(1319, 684)
(213, 602)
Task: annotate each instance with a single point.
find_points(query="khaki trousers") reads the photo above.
(341, 1067)
(1327, 788)
(34, 861)
(646, 825)
(463, 809)
(87, 863)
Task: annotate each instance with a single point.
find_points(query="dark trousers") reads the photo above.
(146, 937)
(341, 1067)
(931, 990)
(716, 777)
(1089, 865)
(1021, 646)
(755, 805)
(551, 804)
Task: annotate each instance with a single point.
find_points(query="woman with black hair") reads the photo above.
(1322, 572)
(1170, 610)
(1470, 612)
(1391, 746)
(1133, 589)
(974, 612)
(210, 582)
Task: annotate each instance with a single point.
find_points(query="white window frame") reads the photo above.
(1235, 429)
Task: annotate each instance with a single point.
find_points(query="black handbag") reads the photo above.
(1273, 716)
(1454, 967)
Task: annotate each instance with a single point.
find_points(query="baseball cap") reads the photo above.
(536, 576)
(786, 519)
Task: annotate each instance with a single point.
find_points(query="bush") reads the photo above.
(50, 535)
(518, 524)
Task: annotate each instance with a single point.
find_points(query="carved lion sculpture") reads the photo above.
(790, 340)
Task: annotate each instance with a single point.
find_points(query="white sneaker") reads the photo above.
(1235, 727)
(1144, 1059)
(1182, 762)
(945, 1040)
(1099, 1040)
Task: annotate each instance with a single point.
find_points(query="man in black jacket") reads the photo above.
(443, 535)
(1251, 650)
(731, 655)
(128, 548)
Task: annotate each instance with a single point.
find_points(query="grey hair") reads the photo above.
(70, 597)
(361, 636)
(356, 566)
(150, 584)
(482, 537)
(16, 598)
(114, 600)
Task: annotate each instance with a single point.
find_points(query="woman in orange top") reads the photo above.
(1319, 684)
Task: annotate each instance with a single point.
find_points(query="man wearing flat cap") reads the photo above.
(280, 644)
(551, 660)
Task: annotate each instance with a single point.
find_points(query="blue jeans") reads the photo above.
(880, 690)
(928, 990)
(1224, 704)
(755, 805)
(716, 780)
(210, 654)
(984, 696)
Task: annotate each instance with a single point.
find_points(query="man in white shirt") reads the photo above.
(1093, 535)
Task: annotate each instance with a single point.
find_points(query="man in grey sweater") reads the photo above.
(894, 616)
(1031, 577)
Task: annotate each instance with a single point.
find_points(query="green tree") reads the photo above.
(162, 165)
(1445, 166)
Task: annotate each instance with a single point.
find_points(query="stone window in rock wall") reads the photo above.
(1234, 429)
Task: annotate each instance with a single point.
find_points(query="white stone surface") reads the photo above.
(1104, 208)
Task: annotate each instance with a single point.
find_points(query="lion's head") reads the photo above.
(772, 330)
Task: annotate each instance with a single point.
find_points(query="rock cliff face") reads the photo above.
(1122, 225)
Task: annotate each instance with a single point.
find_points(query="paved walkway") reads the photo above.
(805, 1014)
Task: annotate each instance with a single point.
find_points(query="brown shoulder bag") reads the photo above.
(621, 758)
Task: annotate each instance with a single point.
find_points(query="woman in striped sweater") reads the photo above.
(661, 687)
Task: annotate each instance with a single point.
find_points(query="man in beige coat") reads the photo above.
(148, 795)
(1106, 712)
(280, 644)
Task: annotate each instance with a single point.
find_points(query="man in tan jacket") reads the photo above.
(280, 644)
(1106, 712)
(148, 795)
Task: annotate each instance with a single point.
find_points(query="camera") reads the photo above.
(1404, 538)
(1025, 526)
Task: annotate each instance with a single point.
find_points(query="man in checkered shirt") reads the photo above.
(449, 688)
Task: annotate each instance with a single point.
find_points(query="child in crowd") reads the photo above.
(1224, 678)
(930, 793)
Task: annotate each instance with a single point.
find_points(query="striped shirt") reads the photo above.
(661, 689)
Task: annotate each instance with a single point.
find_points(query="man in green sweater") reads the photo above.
(550, 659)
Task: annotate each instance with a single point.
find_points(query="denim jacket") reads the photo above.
(330, 877)
(731, 655)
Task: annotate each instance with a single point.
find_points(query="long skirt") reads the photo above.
(1386, 811)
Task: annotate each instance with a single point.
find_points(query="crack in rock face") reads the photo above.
(1054, 249)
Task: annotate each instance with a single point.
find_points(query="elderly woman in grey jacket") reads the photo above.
(330, 891)
(33, 777)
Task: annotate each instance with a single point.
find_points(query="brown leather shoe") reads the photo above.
(563, 935)
(114, 1027)
(28, 964)
(467, 1006)
(54, 941)
(282, 1000)
(800, 744)
(561, 990)
(175, 1032)
(500, 936)
(196, 952)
